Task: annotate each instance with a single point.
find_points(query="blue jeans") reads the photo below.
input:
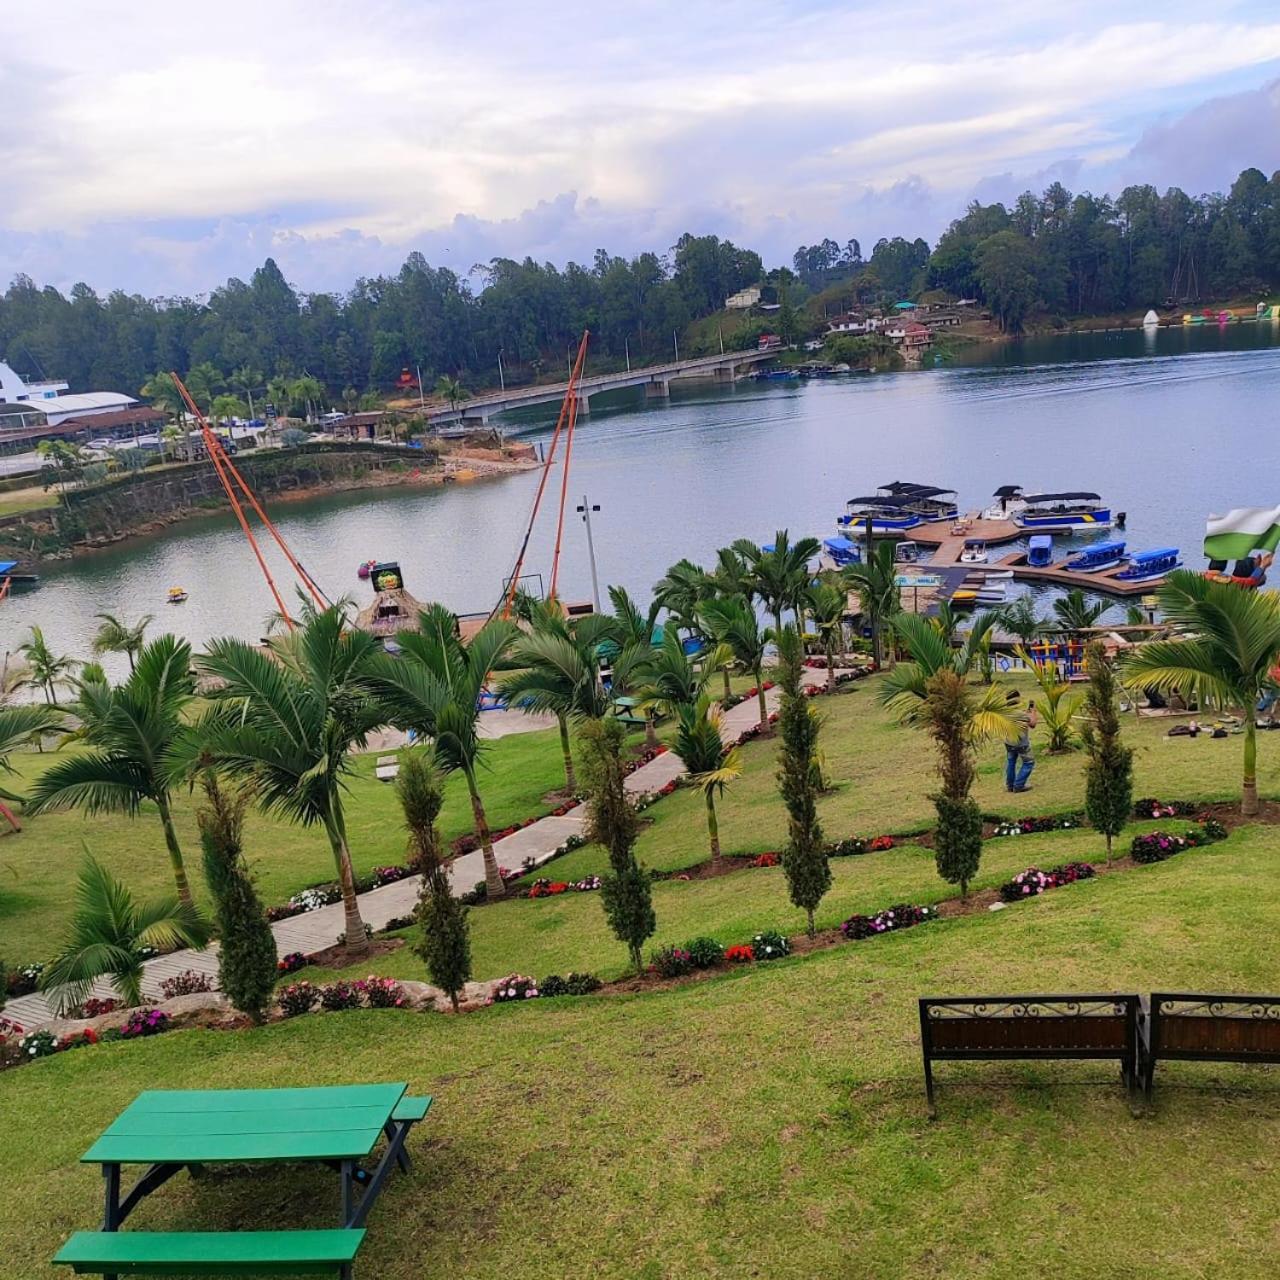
(1015, 777)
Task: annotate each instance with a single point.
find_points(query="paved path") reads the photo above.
(314, 930)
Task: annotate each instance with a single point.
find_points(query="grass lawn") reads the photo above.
(19, 501)
(37, 866)
(765, 1123)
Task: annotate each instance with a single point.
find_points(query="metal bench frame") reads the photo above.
(1185, 1006)
(1060, 1008)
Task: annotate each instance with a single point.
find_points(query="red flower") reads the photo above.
(739, 954)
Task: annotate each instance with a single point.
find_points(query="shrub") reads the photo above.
(586, 885)
(739, 953)
(291, 963)
(766, 860)
(339, 995)
(1031, 826)
(38, 1044)
(144, 1022)
(576, 984)
(186, 983)
(23, 980)
(94, 1007)
(769, 946)
(298, 997)
(78, 1040)
(880, 843)
(1213, 830)
(671, 962)
(1149, 807)
(396, 923)
(1032, 881)
(515, 987)
(381, 993)
(849, 847)
(704, 953)
(900, 916)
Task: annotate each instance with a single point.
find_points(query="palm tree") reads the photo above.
(118, 636)
(46, 669)
(733, 623)
(560, 672)
(434, 688)
(781, 575)
(18, 726)
(670, 678)
(135, 728)
(633, 631)
(290, 728)
(451, 390)
(1019, 617)
(1075, 613)
(1057, 704)
(828, 606)
(680, 591)
(1225, 650)
(107, 934)
(712, 764)
(876, 583)
(732, 575)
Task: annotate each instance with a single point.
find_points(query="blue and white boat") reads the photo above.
(1063, 512)
(1145, 565)
(928, 501)
(888, 516)
(841, 551)
(1097, 558)
(1040, 551)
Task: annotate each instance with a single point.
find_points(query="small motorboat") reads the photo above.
(176, 595)
(1099, 557)
(1040, 554)
(974, 551)
(365, 569)
(906, 552)
(1145, 566)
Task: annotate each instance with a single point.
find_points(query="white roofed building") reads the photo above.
(28, 404)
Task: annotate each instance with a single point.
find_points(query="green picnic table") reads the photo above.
(168, 1130)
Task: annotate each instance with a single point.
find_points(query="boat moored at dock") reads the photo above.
(888, 517)
(841, 551)
(1146, 565)
(1040, 551)
(929, 501)
(1095, 559)
(974, 551)
(1064, 512)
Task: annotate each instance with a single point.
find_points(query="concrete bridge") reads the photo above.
(654, 379)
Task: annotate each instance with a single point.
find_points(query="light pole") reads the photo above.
(502, 382)
(675, 338)
(422, 399)
(585, 511)
(626, 342)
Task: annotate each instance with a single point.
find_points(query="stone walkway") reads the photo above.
(315, 930)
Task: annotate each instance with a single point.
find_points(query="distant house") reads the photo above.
(908, 334)
(743, 300)
(849, 323)
(769, 342)
(942, 319)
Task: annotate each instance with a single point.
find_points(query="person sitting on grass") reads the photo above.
(1019, 760)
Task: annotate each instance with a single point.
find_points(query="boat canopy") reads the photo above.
(1100, 551)
(839, 544)
(1008, 491)
(908, 489)
(1041, 540)
(7, 566)
(1150, 557)
(975, 542)
(1034, 499)
(880, 500)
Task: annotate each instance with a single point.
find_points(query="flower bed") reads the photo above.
(1156, 846)
(767, 860)
(851, 846)
(576, 984)
(23, 980)
(754, 731)
(186, 983)
(515, 987)
(291, 963)
(381, 993)
(95, 1007)
(652, 797)
(1032, 881)
(901, 916)
(671, 962)
(739, 954)
(769, 946)
(1035, 825)
(1151, 808)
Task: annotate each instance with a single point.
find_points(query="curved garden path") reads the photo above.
(315, 930)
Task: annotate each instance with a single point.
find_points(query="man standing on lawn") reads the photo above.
(1019, 759)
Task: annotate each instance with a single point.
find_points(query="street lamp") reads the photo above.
(585, 511)
(502, 382)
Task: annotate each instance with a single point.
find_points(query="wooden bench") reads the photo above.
(212, 1253)
(1003, 1028)
(1197, 1027)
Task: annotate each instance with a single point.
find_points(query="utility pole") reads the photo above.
(626, 342)
(675, 338)
(585, 511)
(502, 382)
(721, 328)
(422, 400)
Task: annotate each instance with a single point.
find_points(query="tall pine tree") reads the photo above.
(804, 859)
(957, 841)
(1108, 795)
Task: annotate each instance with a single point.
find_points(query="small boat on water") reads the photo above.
(1097, 558)
(776, 375)
(1040, 551)
(1145, 565)
(841, 551)
(176, 595)
(888, 516)
(974, 551)
(906, 552)
(1077, 509)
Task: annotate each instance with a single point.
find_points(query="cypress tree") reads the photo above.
(445, 942)
(957, 848)
(626, 891)
(247, 947)
(1108, 793)
(804, 859)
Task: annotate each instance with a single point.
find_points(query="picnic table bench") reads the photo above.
(994, 1028)
(1198, 1027)
(169, 1130)
(387, 768)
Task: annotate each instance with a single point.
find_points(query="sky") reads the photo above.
(160, 147)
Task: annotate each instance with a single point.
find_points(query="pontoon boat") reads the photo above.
(1062, 511)
(841, 551)
(927, 500)
(1145, 565)
(888, 516)
(1100, 556)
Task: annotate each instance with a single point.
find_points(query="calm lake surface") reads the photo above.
(1167, 426)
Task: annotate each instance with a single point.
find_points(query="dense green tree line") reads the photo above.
(1056, 253)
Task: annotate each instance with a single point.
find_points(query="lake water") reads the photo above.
(1167, 426)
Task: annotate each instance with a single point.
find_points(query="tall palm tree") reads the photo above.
(117, 636)
(451, 389)
(828, 607)
(46, 670)
(875, 581)
(559, 672)
(1225, 649)
(781, 575)
(107, 934)
(1019, 617)
(670, 678)
(633, 631)
(732, 622)
(18, 727)
(1075, 612)
(134, 730)
(681, 590)
(434, 688)
(289, 729)
(711, 762)
(732, 575)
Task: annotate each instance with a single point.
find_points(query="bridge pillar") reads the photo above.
(658, 389)
(584, 404)
(725, 373)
